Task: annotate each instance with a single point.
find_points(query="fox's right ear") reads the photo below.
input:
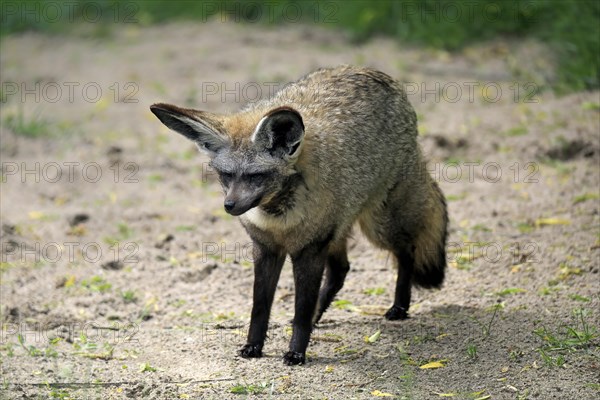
(191, 124)
(281, 132)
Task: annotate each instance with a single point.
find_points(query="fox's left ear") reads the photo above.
(280, 132)
(198, 126)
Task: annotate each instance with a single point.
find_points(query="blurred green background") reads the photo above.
(570, 27)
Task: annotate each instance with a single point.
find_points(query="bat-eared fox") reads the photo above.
(336, 147)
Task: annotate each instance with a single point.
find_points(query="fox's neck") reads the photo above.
(285, 199)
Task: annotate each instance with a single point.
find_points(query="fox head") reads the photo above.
(253, 161)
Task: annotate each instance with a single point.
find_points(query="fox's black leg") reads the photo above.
(267, 267)
(335, 274)
(308, 272)
(406, 261)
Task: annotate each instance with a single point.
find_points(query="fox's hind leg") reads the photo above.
(414, 228)
(405, 258)
(387, 227)
(411, 223)
(335, 274)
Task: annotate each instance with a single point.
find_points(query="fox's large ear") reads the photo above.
(194, 125)
(280, 132)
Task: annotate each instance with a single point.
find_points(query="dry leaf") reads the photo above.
(378, 393)
(551, 221)
(36, 215)
(373, 338)
(433, 365)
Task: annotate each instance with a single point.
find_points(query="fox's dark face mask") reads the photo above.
(253, 171)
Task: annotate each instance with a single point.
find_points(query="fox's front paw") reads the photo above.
(294, 358)
(396, 313)
(251, 351)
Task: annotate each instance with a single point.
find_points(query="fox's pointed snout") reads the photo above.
(238, 207)
(234, 209)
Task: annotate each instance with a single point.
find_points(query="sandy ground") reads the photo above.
(123, 278)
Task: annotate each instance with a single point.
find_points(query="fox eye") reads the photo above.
(256, 178)
(225, 178)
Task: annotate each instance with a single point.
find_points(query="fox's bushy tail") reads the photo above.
(430, 246)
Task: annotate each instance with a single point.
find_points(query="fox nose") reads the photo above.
(229, 205)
